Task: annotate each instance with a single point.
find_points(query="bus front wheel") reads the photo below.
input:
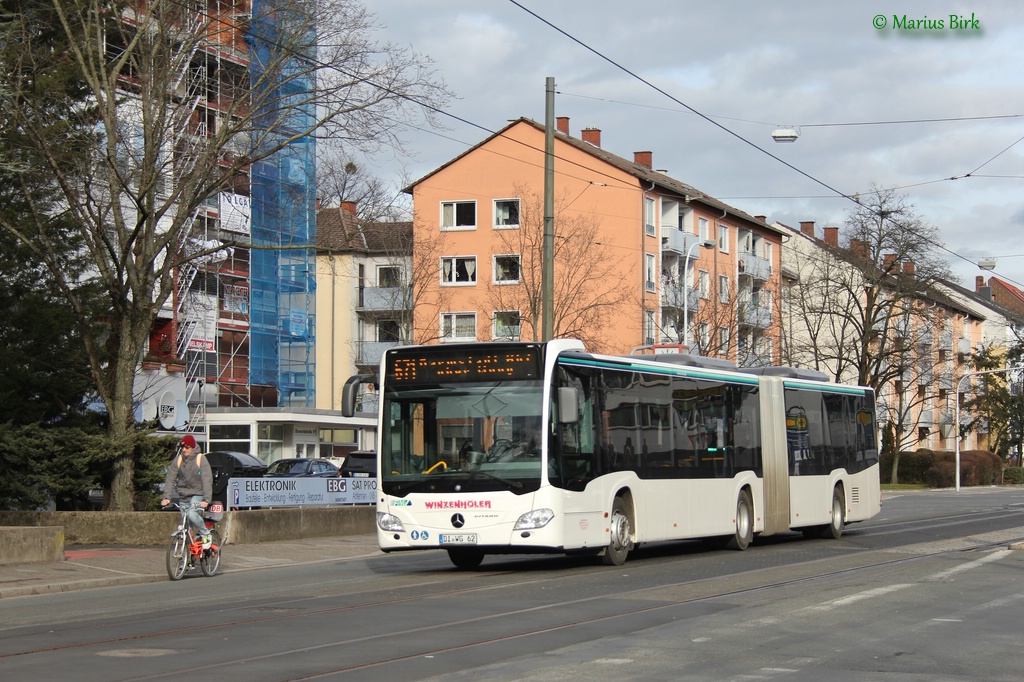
(621, 535)
(744, 532)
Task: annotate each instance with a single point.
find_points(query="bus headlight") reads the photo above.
(389, 522)
(538, 518)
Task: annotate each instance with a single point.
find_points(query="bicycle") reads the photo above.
(186, 550)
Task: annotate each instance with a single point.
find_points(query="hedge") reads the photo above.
(938, 469)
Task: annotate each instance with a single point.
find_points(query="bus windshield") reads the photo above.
(462, 437)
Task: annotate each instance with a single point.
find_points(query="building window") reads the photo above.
(723, 288)
(649, 327)
(506, 213)
(458, 270)
(651, 269)
(506, 269)
(387, 330)
(389, 276)
(704, 283)
(506, 325)
(458, 326)
(458, 215)
(723, 340)
(704, 336)
(705, 229)
(649, 215)
(723, 238)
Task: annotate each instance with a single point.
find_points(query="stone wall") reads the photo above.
(154, 528)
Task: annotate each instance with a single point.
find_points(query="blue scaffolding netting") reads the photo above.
(283, 260)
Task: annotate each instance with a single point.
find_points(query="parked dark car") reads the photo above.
(360, 464)
(226, 465)
(302, 467)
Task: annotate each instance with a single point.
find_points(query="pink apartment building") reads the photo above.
(640, 258)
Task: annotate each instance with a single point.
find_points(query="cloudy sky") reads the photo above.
(751, 67)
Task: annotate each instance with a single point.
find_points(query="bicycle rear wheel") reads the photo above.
(177, 556)
(210, 561)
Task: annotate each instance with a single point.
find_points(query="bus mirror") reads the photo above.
(350, 392)
(568, 405)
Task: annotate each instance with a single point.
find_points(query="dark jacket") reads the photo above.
(189, 479)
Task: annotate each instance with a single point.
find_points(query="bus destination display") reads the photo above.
(446, 365)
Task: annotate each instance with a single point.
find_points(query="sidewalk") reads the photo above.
(87, 566)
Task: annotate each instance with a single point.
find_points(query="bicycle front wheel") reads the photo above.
(177, 556)
(210, 561)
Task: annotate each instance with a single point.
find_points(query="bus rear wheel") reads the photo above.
(744, 533)
(834, 530)
(621, 535)
(466, 559)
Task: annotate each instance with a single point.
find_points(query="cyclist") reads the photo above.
(191, 478)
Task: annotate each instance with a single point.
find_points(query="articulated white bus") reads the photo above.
(496, 448)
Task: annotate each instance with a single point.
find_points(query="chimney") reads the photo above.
(979, 282)
(859, 248)
(562, 124)
(889, 261)
(908, 267)
(807, 227)
(832, 236)
(761, 218)
(645, 159)
(593, 136)
(349, 207)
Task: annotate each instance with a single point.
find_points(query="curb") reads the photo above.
(75, 585)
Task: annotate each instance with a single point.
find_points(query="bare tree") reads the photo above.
(588, 286)
(340, 179)
(172, 125)
(865, 312)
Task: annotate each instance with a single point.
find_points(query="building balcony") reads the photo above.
(755, 316)
(676, 297)
(674, 240)
(383, 299)
(755, 359)
(370, 352)
(755, 267)
(946, 380)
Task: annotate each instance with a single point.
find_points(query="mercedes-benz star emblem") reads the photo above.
(458, 520)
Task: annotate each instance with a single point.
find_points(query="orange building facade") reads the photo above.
(639, 257)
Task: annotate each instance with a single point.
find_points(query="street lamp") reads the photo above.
(956, 419)
(707, 244)
(785, 134)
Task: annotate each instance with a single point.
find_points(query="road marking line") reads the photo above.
(994, 556)
(860, 596)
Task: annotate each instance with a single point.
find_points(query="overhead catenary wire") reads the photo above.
(852, 197)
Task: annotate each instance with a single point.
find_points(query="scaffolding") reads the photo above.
(283, 277)
(243, 320)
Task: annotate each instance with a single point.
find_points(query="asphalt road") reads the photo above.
(928, 590)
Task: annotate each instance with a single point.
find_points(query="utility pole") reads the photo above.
(547, 277)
